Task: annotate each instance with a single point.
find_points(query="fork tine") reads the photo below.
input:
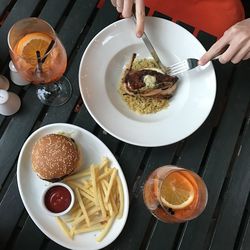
(178, 68)
(183, 66)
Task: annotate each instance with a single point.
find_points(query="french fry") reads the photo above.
(101, 203)
(114, 207)
(73, 217)
(86, 195)
(106, 229)
(74, 184)
(99, 200)
(104, 175)
(93, 177)
(78, 175)
(112, 178)
(82, 206)
(89, 229)
(121, 197)
(104, 163)
(63, 226)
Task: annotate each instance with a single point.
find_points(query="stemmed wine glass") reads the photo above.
(39, 57)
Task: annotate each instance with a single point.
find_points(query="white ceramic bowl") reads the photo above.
(59, 184)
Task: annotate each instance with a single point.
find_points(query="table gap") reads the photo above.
(64, 15)
(6, 11)
(38, 8)
(243, 226)
(148, 234)
(16, 231)
(76, 110)
(45, 243)
(137, 187)
(145, 158)
(153, 221)
(119, 150)
(178, 151)
(8, 181)
(179, 235)
(4, 125)
(214, 130)
(83, 35)
(226, 182)
(206, 153)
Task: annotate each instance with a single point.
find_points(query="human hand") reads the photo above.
(125, 7)
(237, 41)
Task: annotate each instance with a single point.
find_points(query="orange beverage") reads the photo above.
(52, 56)
(40, 58)
(174, 194)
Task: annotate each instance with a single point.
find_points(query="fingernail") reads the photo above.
(139, 34)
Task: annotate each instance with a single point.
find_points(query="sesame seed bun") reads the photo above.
(55, 156)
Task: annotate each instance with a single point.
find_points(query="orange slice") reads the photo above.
(32, 42)
(177, 191)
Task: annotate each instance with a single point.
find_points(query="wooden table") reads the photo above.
(219, 150)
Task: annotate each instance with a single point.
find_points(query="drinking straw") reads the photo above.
(48, 49)
(38, 56)
(39, 61)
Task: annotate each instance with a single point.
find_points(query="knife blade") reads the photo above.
(151, 49)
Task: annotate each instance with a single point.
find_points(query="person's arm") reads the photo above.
(237, 39)
(125, 7)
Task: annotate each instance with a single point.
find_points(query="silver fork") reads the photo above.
(185, 65)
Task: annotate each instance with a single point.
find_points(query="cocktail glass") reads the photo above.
(39, 57)
(174, 194)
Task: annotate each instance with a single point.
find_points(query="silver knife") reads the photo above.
(151, 49)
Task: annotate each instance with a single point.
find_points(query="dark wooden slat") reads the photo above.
(246, 239)
(218, 163)
(23, 121)
(246, 4)
(206, 39)
(26, 116)
(158, 14)
(186, 26)
(4, 4)
(84, 119)
(30, 237)
(22, 8)
(17, 131)
(10, 205)
(105, 16)
(51, 5)
(53, 246)
(111, 142)
(139, 217)
(192, 154)
(129, 163)
(235, 198)
(75, 23)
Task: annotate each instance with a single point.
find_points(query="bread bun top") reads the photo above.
(54, 156)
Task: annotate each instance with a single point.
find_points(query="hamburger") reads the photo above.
(55, 156)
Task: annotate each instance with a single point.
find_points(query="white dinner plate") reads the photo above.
(100, 71)
(31, 187)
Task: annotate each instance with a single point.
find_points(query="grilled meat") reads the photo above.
(149, 82)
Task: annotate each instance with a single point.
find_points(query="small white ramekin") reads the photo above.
(70, 205)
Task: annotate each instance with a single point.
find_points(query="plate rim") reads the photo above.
(116, 164)
(137, 143)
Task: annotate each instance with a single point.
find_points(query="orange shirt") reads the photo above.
(212, 16)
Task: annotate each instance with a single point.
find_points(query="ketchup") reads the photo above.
(57, 199)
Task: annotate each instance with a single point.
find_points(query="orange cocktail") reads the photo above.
(175, 194)
(35, 46)
(40, 58)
